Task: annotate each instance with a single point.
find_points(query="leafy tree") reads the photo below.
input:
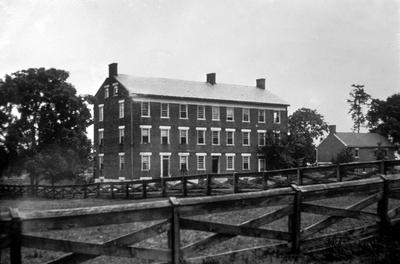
(345, 156)
(384, 117)
(359, 99)
(276, 152)
(43, 119)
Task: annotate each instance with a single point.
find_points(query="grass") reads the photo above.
(338, 254)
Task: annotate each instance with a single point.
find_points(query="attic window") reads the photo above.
(356, 152)
(115, 88)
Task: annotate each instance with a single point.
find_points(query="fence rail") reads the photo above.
(171, 216)
(207, 184)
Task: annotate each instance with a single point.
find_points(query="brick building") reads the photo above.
(158, 127)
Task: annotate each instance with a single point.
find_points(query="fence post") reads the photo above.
(265, 180)
(299, 177)
(15, 237)
(53, 190)
(235, 183)
(295, 220)
(62, 192)
(144, 190)
(127, 190)
(184, 186)
(98, 190)
(383, 167)
(383, 204)
(112, 190)
(209, 182)
(174, 238)
(85, 191)
(338, 174)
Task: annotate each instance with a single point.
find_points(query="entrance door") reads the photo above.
(215, 164)
(165, 166)
(261, 164)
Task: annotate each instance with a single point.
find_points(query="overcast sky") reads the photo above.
(310, 52)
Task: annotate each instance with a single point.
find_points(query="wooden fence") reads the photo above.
(207, 184)
(374, 208)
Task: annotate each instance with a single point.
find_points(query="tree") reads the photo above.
(344, 156)
(384, 117)
(275, 152)
(43, 119)
(359, 99)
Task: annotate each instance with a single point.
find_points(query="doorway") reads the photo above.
(215, 164)
(164, 166)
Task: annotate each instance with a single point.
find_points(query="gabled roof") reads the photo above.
(363, 139)
(192, 89)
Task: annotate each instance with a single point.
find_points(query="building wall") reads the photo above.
(329, 149)
(369, 154)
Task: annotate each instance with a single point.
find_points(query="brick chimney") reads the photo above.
(261, 83)
(112, 69)
(332, 129)
(211, 78)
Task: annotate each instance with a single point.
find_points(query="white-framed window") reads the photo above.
(246, 161)
(261, 137)
(121, 161)
(115, 88)
(230, 137)
(121, 133)
(145, 161)
(215, 113)
(277, 117)
(183, 111)
(245, 137)
(201, 135)
(246, 115)
(121, 107)
(201, 161)
(261, 165)
(201, 112)
(215, 136)
(230, 114)
(164, 132)
(277, 136)
(101, 136)
(230, 161)
(101, 161)
(145, 135)
(261, 116)
(356, 152)
(101, 112)
(164, 110)
(145, 109)
(106, 91)
(183, 135)
(183, 162)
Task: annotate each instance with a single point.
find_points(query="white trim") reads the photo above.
(165, 127)
(216, 154)
(246, 154)
(165, 153)
(201, 154)
(121, 101)
(183, 128)
(101, 154)
(121, 178)
(183, 154)
(146, 178)
(230, 129)
(215, 129)
(120, 127)
(261, 131)
(100, 129)
(344, 143)
(145, 153)
(201, 128)
(101, 105)
(145, 126)
(121, 154)
(140, 98)
(246, 130)
(230, 154)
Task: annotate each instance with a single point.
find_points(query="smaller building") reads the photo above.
(364, 146)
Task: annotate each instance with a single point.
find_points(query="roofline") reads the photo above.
(344, 143)
(341, 141)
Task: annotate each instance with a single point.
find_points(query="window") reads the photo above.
(121, 133)
(145, 161)
(201, 112)
(121, 109)
(164, 135)
(164, 110)
(246, 162)
(356, 152)
(230, 137)
(215, 113)
(261, 138)
(183, 162)
(201, 161)
(101, 136)
(246, 115)
(115, 87)
(121, 161)
(230, 161)
(101, 112)
(183, 111)
(261, 116)
(183, 135)
(230, 114)
(277, 117)
(101, 161)
(145, 134)
(215, 133)
(277, 136)
(201, 132)
(245, 137)
(145, 109)
(106, 91)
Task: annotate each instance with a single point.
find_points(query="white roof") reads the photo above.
(192, 89)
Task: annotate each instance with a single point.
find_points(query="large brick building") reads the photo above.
(157, 127)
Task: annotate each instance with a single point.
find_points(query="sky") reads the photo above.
(309, 51)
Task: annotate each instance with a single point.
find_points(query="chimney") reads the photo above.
(261, 83)
(332, 129)
(112, 69)
(211, 78)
